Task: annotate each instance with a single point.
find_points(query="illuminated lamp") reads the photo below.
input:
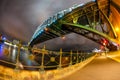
(4, 38)
(117, 29)
(104, 42)
(63, 37)
(46, 29)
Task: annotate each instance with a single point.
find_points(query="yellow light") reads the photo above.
(63, 37)
(117, 29)
(46, 29)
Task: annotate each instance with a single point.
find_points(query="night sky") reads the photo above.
(20, 18)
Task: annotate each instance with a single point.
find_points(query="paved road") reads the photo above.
(101, 68)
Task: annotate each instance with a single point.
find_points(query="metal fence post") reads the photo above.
(60, 60)
(70, 57)
(77, 56)
(18, 64)
(42, 62)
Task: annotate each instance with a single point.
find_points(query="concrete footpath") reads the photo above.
(101, 68)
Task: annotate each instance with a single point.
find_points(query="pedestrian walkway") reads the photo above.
(101, 68)
(114, 55)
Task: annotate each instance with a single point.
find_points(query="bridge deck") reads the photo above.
(101, 68)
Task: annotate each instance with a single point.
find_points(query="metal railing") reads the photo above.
(51, 64)
(48, 60)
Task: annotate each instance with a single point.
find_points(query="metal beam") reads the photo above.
(87, 18)
(115, 35)
(106, 16)
(91, 30)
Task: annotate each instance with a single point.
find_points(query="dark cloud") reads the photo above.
(20, 18)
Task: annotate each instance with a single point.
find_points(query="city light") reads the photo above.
(3, 38)
(46, 29)
(1, 49)
(63, 37)
(104, 42)
(117, 29)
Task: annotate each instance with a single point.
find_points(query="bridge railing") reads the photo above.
(53, 60)
(21, 74)
(51, 65)
(46, 59)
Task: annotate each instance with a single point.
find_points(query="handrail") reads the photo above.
(11, 74)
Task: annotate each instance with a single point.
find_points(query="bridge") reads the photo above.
(97, 20)
(94, 20)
